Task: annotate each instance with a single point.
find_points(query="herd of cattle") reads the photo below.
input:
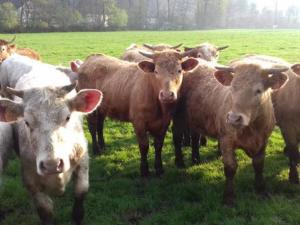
(42, 106)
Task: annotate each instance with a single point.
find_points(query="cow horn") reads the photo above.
(12, 40)
(187, 49)
(62, 91)
(224, 68)
(147, 54)
(186, 53)
(176, 46)
(15, 92)
(276, 70)
(148, 46)
(222, 48)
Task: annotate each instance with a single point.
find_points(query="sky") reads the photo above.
(282, 4)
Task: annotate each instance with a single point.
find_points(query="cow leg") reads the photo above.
(100, 124)
(186, 137)
(44, 206)
(81, 177)
(258, 166)
(158, 144)
(143, 141)
(195, 147)
(203, 140)
(230, 167)
(293, 154)
(177, 131)
(92, 125)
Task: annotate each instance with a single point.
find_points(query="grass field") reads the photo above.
(188, 196)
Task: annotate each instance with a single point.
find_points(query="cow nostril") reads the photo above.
(42, 166)
(60, 165)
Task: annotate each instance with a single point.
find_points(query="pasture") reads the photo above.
(181, 196)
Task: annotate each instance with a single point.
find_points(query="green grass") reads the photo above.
(189, 196)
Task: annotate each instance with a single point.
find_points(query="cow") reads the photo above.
(210, 53)
(7, 49)
(132, 52)
(142, 93)
(232, 104)
(48, 113)
(206, 51)
(286, 109)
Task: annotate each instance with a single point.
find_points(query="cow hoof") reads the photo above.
(145, 172)
(293, 178)
(159, 172)
(179, 164)
(196, 160)
(229, 202)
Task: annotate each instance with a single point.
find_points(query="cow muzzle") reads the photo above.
(238, 120)
(167, 96)
(53, 166)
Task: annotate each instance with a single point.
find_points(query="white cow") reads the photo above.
(49, 125)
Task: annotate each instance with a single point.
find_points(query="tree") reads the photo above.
(8, 17)
(117, 17)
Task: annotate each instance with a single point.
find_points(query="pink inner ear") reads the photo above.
(92, 99)
(74, 66)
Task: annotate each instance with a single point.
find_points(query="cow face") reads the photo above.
(168, 68)
(205, 51)
(6, 51)
(48, 119)
(6, 48)
(249, 90)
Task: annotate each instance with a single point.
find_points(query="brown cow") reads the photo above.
(233, 105)
(132, 52)
(7, 48)
(287, 108)
(142, 93)
(205, 51)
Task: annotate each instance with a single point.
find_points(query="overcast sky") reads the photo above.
(282, 4)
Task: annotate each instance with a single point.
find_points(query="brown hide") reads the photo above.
(130, 94)
(287, 111)
(205, 103)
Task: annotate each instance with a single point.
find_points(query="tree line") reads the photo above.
(99, 15)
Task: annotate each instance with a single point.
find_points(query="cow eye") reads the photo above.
(258, 92)
(26, 123)
(68, 118)
(179, 71)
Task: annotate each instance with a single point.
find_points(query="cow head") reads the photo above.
(6, 48)
(250, 86)
(168, 68)
(49, 119)
(205, 51)
(162, 47)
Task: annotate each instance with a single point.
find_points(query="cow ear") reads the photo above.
(12, 47)
(189, 64)
(10, 111)
(74, 66)
(224, 77)
(146, 66)
(86, 101)
(296, 69)
(276, 81)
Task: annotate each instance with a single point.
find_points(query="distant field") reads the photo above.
(189, 196)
